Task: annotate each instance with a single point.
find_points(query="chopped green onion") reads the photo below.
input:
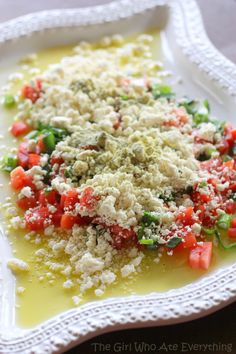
(9, 101)
(146, 242)
(173, 242)
(49, 141)
(224, 221)
(201, 116)
(141, 232)
(149, 218)
(208, 231)
(199, 110)
(219, 125)
(9, 163)
(226, 247)
(125, 98)
(159, 90)
(206, 104)
(202, 184)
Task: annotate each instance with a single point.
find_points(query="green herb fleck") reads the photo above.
(9, 101)
(226, 247)
(173, 242)
(9, 162)
(146, 241)
(224, 221)
(159, 90)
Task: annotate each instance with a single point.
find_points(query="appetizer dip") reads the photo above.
(111, 167)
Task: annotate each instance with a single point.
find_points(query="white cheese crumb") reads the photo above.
(127, 270)
(17, 265)
(99, 292)
(76, 300)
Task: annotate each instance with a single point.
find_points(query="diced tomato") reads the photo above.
(213, 181)
(232, 187)
(223, 147)
(121, 237)
(24, 147)
(200, 256)
(232, 232)
(83, 220)
(229, 164)
(233, 133)
(23, 159)
(50, 197)
(56, 217)
(40, 144)
(87, 199)
(68, 221)
(38, 219)
(186, 217)
(70, 199)
(19, 128)
(57, 160)
(33, 160)
(212, 164)
(181, 115)
(32, 92)
(230, 207)
(27, 202)
(233, 223)
(189, 240)
(19, 179)
(38, 84)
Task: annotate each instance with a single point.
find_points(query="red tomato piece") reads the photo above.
(68, 221)
(22, 159)
(70, 199)
(56, 217)
(233, 133)
(223, 147)
(57, 160)
(32, 92)
(186, 217)
(229, 164)
(38, 219)
(27, 202)
(189, 240)
(50, 197)
(200, 256)
(233, 223)
(19, 128)
(230, 207)
(87, 199)
(33, 160)
(212, 164)
(181, 115)
(232, 187)
(232, 232)
(121, 237)
(40, 144)
(19, 179)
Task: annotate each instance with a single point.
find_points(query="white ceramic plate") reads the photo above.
(205, 73)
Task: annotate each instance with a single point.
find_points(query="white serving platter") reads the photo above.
(187, 52)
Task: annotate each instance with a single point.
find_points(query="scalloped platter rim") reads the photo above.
(184, 27)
